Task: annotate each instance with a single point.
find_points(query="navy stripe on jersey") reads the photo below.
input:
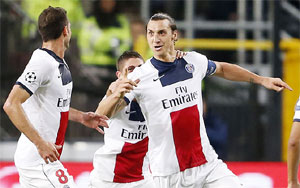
(211, 68)
(135, 112)
(63, 68)
(172, 72)
(24, 87)
(126, 100)
(65, 74)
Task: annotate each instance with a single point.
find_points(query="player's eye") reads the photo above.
(162, 32)
(131, 68)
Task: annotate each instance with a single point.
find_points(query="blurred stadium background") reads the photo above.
(260, 35)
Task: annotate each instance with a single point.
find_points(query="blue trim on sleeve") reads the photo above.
(296, 120)
(211, 68)
(126, 100)
(24, 87)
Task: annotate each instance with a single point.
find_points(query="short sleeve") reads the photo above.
(36, 74)
(211, 68)
(199, 61)
(297, 111)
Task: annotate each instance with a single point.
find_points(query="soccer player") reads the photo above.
(122, 160)
(38, 106)
(169, 94)
(293, 150)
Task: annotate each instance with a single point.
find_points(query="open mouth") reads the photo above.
(157, 48)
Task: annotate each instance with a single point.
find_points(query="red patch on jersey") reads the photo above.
(60, 138)
(187, 140)
(129, 163)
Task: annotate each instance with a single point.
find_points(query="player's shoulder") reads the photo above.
(190, 56)
(40, 56)
(197, 59)
(141, 71)
(42, 59)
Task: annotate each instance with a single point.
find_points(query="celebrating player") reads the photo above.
(169, 94)
(122, 161)
(293, 150)
(38, 106)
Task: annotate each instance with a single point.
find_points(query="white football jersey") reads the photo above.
(297, 111)
(48, 80)
(123, 159)
(170, 97)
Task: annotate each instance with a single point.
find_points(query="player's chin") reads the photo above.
(158, 53)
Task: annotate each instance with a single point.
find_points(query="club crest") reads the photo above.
(189, 68)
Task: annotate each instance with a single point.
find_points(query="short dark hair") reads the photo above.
(51, 23)
(127, 55)
(164, 16)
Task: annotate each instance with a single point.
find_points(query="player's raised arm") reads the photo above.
(237, 73)
(14, 110)
(114, 100)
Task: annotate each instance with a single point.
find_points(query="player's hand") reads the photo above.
(123, 85)
(48, 151)
(275, 84)
(93, 120)
(112, 87)
(294, 185)
(180, 54)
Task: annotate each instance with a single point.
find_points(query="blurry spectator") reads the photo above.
(32, 9)
(216, 131)
(105, 34)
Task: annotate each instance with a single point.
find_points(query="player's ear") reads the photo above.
(118, 74)
(65, 31)
(175, 35)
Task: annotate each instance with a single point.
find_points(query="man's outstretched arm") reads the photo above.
(114, 101)
(237, 73)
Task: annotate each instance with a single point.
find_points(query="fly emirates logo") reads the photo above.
(65, 102)
(183, 97)
(139, 134)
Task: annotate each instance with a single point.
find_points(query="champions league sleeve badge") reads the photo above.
(30, 77)
(189, 68)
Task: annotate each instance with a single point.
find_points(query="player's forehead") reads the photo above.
(157, 25)
(131, 62)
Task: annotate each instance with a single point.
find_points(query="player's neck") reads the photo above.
(56, 46)
(167, 57)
